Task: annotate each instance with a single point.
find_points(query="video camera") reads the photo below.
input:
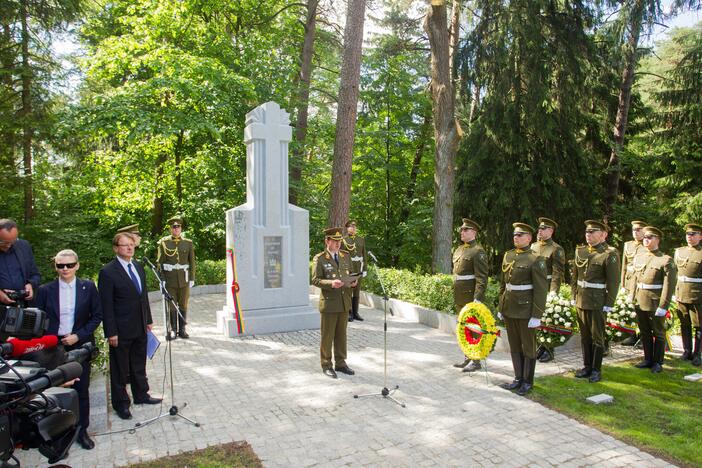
(35, 412)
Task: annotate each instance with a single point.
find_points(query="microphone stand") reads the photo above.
(385, 393)
(173, 411)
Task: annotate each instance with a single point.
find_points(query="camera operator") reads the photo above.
(73, 307)
(18, 272)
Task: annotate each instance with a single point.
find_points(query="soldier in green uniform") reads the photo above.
(470, 276)
(656, 277)
(595, 285)
(688, 292)
(330, 273)
(522, 301)
(355, 246)
(175, 259)
(554, 256)
(628, 281)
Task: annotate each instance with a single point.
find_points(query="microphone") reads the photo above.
(372, 256)
(58, 376)
(146, 260)
(17, 347)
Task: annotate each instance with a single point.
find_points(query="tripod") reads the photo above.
(385, 393)
(173, 410)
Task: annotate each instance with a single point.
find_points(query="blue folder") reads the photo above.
(152, 344)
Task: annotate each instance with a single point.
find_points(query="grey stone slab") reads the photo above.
(600, 399)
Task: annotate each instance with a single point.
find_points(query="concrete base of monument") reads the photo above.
(267, 321)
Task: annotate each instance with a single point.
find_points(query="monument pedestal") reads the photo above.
(265, 321)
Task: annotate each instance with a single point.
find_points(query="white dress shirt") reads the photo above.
(67, 307)
(126, 269)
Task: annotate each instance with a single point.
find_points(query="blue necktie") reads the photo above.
(135, 280)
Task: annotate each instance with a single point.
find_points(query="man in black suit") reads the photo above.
(17, 268)
(127, 318)
(74, 311)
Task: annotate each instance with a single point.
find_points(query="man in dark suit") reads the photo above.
(74, 311)
(127, 318)
(17, 268)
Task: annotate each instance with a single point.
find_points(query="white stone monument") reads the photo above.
(268, 236)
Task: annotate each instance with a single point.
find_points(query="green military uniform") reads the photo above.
(334, 303)
(523, 293)
(631, 249)
(355, 246)
(688, 294)
(595, 286)
(656, 277)
(175, 259)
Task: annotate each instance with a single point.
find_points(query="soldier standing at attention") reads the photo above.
(175, 260)
(595, 286)
(688, 292)
(470, 273)
(355, 246)
(628, 281)
(522, 301)
(554, 256)
(329, 269)
(656, 277)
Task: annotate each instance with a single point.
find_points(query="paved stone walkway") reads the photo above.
(270, 391)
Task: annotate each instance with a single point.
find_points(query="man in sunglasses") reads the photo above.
(656, 277)
(18, 272)
(595, 286)
(628, 280)
(73, 307)
(688, 292)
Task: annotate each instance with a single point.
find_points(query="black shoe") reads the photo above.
(686, 356)
(345, 370)
(511, 385)
(473, 366)
(463, 364)
(546, 356)
(697, 360)
(123, 413)
(183, 334)
(357, 317)
(595, 376)
(540, 352)
(524, 389)
(656, 368)
(85, 441)
(631, 341)
(330, 372)
(350, 317)
(149, 400)
(643, 365)
(584, 372)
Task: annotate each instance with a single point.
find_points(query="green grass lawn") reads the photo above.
(660, 413)
(234, 454)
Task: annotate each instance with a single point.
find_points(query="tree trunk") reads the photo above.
(7, 145)
(179, 183)
(303, 97)
(157, 219)
(445, 136)
(25, 115)
(454, 35)
(614, 166)
(346, 113)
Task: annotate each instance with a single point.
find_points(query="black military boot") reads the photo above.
(647, 362)
(587, 363)
(462, 364)
(473, 366)
(696, 358)
(518, 365)
(631, 341)
(354, 309)
(528, 383)
(686, 336)
(547, 356)
(658, 355)
(597, 354)
(540, 352)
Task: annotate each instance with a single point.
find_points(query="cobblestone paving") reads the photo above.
(270, 391)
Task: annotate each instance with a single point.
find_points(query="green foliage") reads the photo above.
(101, 362)
(211, 272)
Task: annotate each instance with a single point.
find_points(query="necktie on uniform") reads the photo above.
(336, 258)
(135, 280)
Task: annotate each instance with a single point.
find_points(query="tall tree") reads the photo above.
(340, 197)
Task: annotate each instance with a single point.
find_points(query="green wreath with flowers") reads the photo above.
(476, 330)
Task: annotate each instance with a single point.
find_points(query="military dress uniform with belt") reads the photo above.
(628, 280)
(554, 256)
(355, 246)
(470, 278)
(688, 294)
(595, 285)
(334, 304)
(522, 302)
(656, 277)
(176, 262)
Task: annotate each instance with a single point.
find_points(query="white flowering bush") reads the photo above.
(621, 321)
(558, 323)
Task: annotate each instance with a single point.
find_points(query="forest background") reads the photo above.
(560, 108)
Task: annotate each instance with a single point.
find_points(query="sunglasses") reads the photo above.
(649, 236)
(61, 266)
(692, 233)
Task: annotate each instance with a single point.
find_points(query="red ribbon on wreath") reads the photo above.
(474, 332)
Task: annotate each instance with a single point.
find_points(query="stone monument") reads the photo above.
(267, 238)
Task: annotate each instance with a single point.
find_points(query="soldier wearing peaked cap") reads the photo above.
(331, 270)
(522, 302)
(175, 259)
(355, 246)
(688, 292)
(656, 277)
(595, 285)
(133, 230)
(470, 276)
(554, 256)
(631, 249)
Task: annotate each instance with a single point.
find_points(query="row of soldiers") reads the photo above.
(532, 269)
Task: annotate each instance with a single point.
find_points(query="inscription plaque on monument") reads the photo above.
(273, 262)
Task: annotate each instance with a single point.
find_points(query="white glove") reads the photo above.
(606, 309)
(534, 322)
(673, 298)
(365, 273)
(499, 315)
(191, 283)
(661, 312)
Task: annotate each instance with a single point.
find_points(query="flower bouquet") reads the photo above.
(558, 323)
(621, 321)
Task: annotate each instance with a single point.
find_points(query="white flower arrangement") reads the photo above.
(557, 321)
(621, 321)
